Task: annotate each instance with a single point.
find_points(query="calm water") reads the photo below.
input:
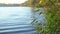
(16, 20)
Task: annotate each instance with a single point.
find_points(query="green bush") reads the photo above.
(52, 15)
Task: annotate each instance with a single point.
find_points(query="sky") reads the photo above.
(12, 1)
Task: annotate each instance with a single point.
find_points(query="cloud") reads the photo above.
(12, 1)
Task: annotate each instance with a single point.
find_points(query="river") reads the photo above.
(16, 20)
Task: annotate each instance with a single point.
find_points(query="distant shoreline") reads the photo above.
(25, 4)
(15, 6)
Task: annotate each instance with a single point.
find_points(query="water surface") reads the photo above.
(17, 20)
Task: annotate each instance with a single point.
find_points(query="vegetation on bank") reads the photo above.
(52, 16)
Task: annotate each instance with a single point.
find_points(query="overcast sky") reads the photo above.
(12, 1)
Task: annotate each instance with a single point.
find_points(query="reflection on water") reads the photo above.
(15, 14)
(16, 20)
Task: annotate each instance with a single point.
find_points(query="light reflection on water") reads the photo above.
(14, 14)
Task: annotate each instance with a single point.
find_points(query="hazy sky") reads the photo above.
(12, 1)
